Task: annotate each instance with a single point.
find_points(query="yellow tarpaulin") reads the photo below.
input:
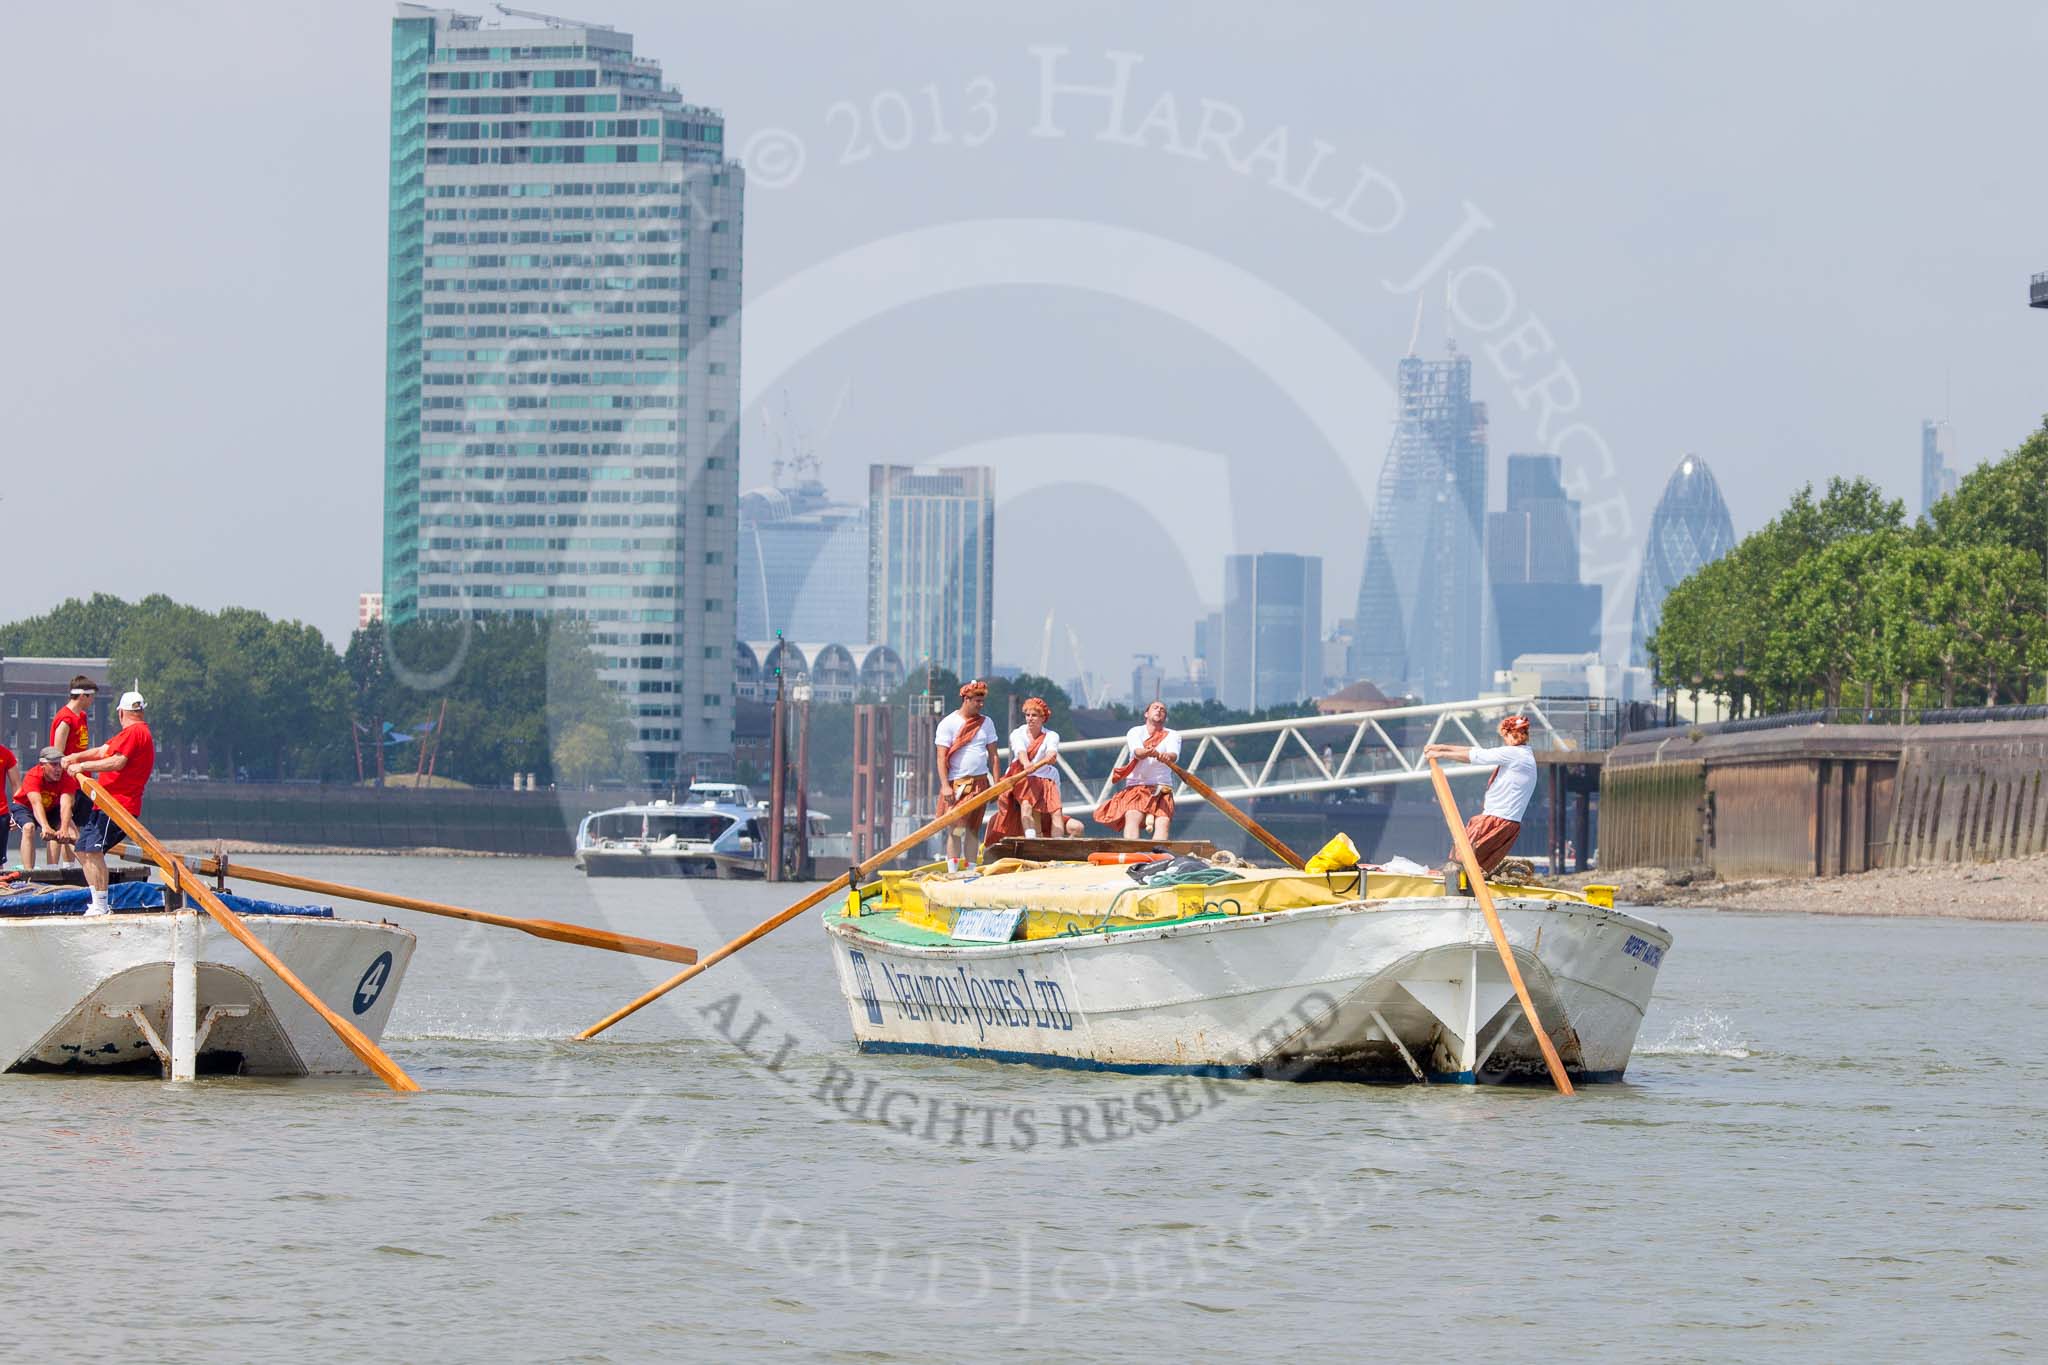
(1065, 898)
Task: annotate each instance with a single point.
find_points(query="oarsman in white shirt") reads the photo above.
(967, 757)
(1493, 830)
(1147, 783)
(1040, 794)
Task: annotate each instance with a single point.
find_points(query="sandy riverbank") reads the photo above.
(2015, 889)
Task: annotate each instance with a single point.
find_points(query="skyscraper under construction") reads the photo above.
(1419, 599)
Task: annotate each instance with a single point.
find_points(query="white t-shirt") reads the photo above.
(1515, 782)
(1150, 772)
(972, 760)
(1020, 745)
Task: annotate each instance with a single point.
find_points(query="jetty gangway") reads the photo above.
(1346, 750)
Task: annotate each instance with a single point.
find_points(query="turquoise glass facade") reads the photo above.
(412, 51)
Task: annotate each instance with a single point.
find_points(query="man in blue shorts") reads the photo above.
(123, 765)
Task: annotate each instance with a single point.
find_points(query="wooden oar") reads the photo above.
(179, 879)
(840, 883)
(1244, 821)
(539, 928)
(1484, 893)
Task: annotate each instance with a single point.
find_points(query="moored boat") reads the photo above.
(719, 831)
(149, 989)
(1200, 967)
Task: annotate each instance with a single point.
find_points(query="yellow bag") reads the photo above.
(1340, 853)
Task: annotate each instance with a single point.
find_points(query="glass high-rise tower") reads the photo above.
(562, 358)
(932, 564)
(1689, 528)
(1272, 648)
(1419, 598)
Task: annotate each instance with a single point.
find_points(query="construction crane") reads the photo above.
(802, 458)
(552, 20)
(775, 440)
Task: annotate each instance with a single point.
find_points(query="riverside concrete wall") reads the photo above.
(1971, 795)
(536, 823)
(1822, 800)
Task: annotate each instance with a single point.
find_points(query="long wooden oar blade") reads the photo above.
(1484, 894)
(845, 879)
(581, 935)
(179, 879)
(1244, 821)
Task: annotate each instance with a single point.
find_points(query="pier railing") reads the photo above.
(1348, 750)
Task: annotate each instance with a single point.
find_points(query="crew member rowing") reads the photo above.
(967, 756)
(1147, 789)
(124, 764)
(1492, 831)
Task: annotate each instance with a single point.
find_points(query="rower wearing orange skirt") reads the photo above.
(1147, 783)
(967, 757)
(1039, 794)
(1493, 830)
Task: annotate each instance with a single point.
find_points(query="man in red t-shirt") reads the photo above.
(71, 731)
(126, 761)
(71, 723)
(45, 803)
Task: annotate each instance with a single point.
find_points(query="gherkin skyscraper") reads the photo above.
(1689, 528)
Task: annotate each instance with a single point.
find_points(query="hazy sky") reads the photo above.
(1777, 236)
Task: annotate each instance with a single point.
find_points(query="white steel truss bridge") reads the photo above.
(1339, 752)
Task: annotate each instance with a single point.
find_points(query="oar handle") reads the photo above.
(1244, 821)
(1484, 894)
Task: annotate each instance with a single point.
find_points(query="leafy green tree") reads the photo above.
(89, 629)
(1997, 612)
(511, 688)
(2002, 503)
(167, 648)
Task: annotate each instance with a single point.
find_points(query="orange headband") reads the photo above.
(1516, 727)
(1036, 704)
(977, 688)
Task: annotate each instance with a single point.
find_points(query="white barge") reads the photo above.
(1347, 975)
(150, 990)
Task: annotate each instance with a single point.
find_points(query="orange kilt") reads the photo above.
(1042, 794)
(1145, 800)
(962, 790)
(1492, 838)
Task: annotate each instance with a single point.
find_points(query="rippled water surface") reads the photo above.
(1830, 1146)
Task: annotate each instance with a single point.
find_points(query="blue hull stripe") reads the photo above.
(1055, 1061)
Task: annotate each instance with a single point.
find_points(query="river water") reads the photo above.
(1830, 1145)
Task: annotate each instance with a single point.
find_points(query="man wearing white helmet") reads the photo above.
(123, 765)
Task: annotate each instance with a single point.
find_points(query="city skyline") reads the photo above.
(224, 283)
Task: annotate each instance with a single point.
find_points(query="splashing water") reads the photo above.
(1706, 1034)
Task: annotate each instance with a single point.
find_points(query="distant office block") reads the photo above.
(562, 358)
(1532, 558)
(1419, 606)
(1272, 630)
(803, 565)
(931, 564)
(1937, 464)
